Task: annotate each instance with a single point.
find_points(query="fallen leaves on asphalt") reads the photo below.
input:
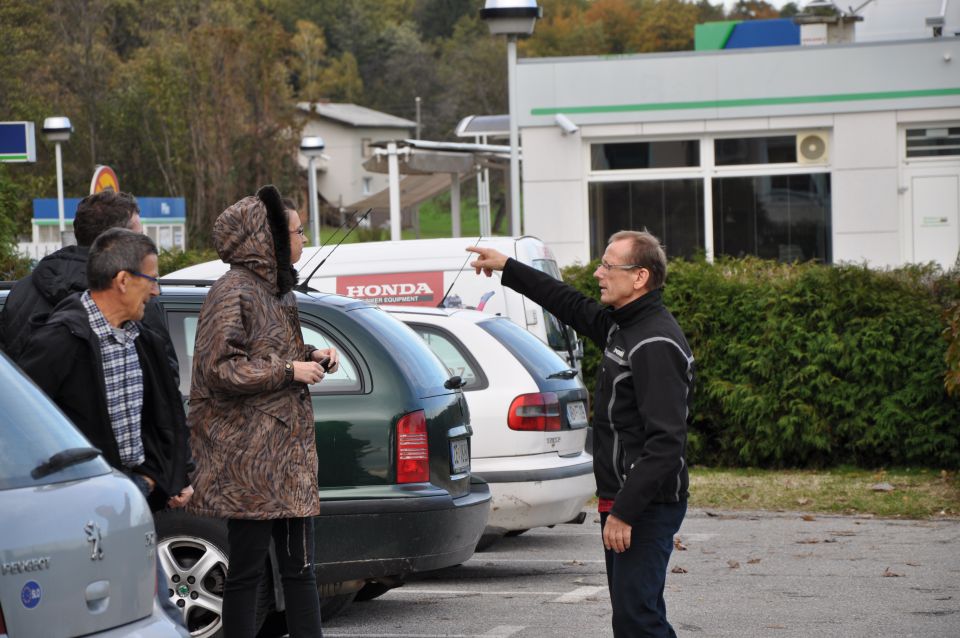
(753, 561)
(678, 570)
(679, 546)
(732, 564)
(809, 517)
(887, 573)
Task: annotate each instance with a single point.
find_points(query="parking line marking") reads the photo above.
(407, 589)
(571, 561)
(578, 595)
(501, 631)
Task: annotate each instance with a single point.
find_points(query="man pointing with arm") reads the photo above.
(641, 405)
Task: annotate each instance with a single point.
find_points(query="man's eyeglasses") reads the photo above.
(152, 280)
(609, 267)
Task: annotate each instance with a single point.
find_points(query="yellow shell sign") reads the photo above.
(104, 179)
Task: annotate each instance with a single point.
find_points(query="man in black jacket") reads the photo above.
(64, 272)
(641, 406)
(108, 372)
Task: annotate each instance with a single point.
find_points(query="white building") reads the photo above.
(348, 131)
(835, 153)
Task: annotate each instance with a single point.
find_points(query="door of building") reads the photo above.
(933, 198)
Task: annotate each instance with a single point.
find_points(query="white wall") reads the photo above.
(344, 170)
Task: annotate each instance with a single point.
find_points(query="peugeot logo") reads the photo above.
(95, 538)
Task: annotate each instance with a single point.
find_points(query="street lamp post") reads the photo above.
(56, 130)
(512, 18)
(312, 147)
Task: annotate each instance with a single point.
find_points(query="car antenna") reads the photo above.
(442, 301)
(303, 287)
(330, 238)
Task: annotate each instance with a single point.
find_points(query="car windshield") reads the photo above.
(420, 365)
(539, 360)
(32, 432)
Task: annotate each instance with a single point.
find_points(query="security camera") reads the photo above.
(561, 120)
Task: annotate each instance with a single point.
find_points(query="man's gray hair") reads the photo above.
(645, 251)
(114, 251)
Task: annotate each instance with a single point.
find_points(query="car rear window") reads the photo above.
(554, 328)
(453, 354)
(419, 364)
(32, 429)
(539, 360)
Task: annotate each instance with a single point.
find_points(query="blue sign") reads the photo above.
(31, 594)
(156, 210)
(17, 142)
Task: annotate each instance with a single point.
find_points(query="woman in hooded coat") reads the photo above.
(251, 418)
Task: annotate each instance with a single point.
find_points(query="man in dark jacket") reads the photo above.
(108, 372)
(642, 402)
(64, 272)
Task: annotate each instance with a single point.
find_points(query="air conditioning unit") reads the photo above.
(813, 147)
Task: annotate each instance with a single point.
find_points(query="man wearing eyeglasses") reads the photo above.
(108, 372)
(642, 402)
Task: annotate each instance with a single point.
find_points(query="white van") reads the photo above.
(427, 272)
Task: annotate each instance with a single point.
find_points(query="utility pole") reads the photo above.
(417, 100)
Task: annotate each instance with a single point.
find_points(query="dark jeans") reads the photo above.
(637, 576)
(249, 542)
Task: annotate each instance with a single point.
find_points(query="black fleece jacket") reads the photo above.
(644, 390)
(62, 356)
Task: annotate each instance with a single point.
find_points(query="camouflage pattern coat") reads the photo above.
(252, 431)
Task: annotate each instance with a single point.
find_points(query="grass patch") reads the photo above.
(917, 493)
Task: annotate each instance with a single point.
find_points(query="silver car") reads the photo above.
(77, 542)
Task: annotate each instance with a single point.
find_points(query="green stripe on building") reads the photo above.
(760, 101)
(6, 157)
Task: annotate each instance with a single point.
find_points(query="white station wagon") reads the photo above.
(528, 410)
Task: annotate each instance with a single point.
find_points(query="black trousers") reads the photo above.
(249, 544)
(636, 577)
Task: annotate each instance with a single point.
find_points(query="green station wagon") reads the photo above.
(393, 440)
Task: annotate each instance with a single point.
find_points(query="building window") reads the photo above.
(365, 147)
(938, 141)
(671, 209)
(50, 234)
(367, 185)
(737, 151)
(643, 155)
(782, 217)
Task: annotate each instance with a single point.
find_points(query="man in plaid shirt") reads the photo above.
(108, 372)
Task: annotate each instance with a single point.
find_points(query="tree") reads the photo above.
(753, 10)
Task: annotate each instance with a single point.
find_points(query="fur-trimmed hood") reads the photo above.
(254, 233)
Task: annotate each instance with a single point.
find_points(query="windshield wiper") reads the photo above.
(569, 373)
(63, 460)
(454, 382)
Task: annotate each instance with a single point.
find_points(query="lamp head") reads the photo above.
(312, 146)
(57, 129)
(511, 17)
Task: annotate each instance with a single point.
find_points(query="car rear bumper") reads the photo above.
(398, 536)
(156, 625)
(535, 490)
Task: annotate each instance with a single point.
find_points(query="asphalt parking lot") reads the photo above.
(739, 574)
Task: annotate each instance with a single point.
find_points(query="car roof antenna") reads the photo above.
(446, 294)
(304, 287)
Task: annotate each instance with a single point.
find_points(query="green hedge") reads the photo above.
(809, 366)
(172, 260)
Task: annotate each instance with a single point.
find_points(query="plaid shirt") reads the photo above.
(123, 379)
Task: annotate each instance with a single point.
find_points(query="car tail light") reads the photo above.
(413, 452)
(3, 625)
(537, 412)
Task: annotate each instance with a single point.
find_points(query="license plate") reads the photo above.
(460, 456)
(577, 414)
